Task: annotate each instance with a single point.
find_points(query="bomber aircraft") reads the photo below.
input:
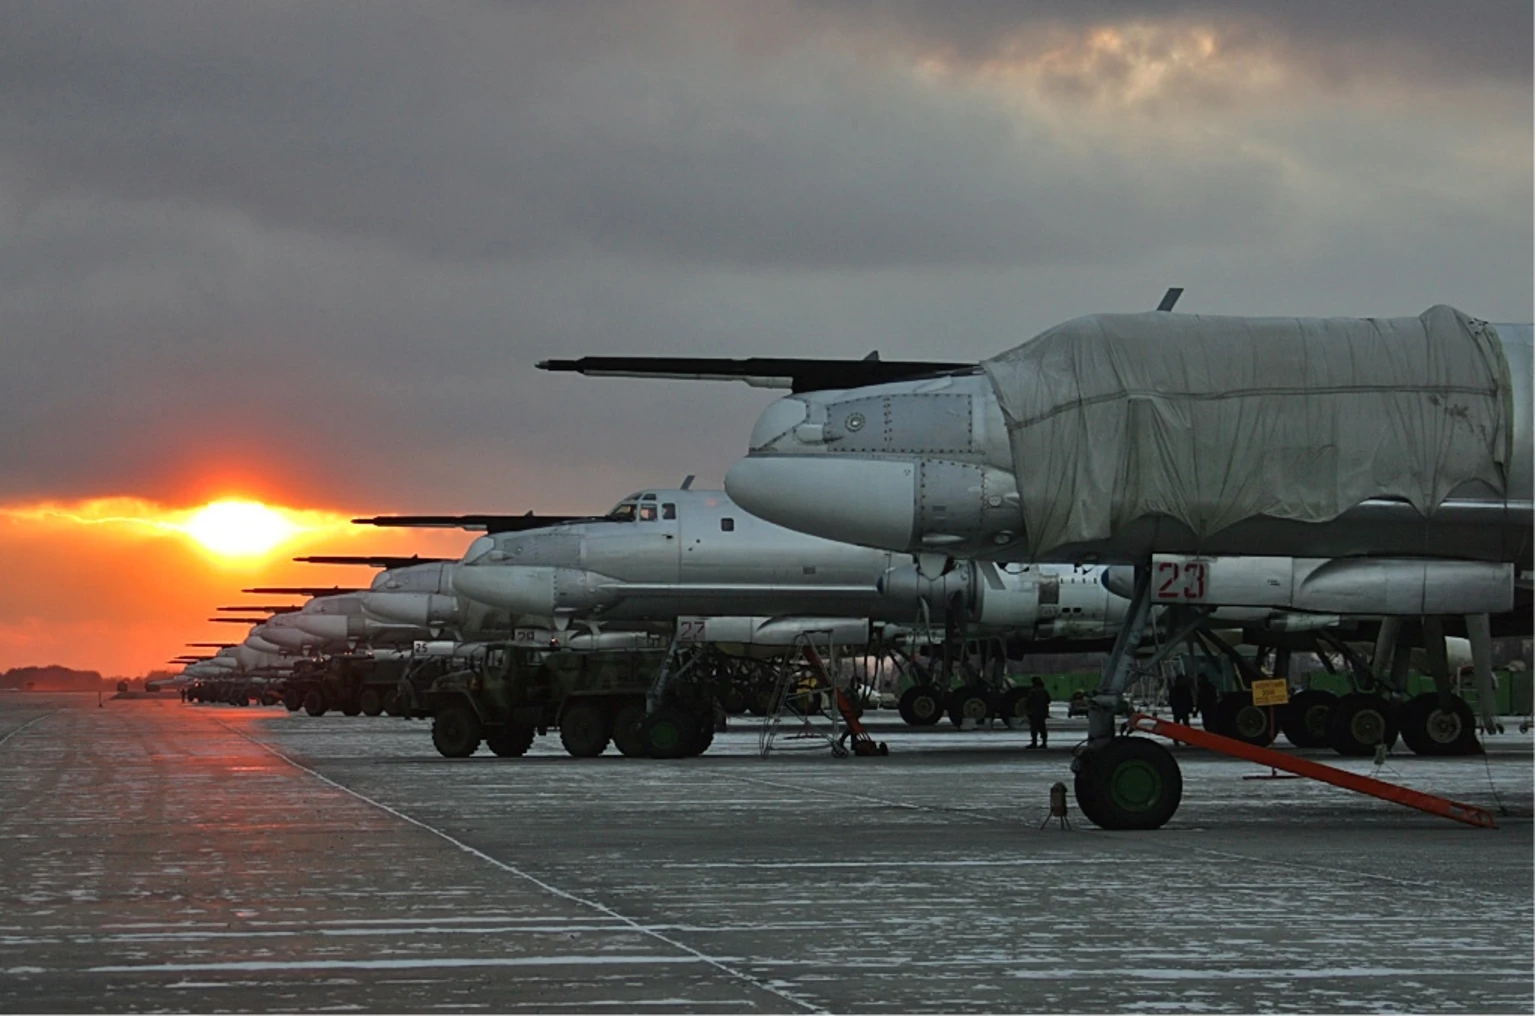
(1352, 466)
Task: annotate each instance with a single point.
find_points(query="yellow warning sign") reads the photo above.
(1274, 692)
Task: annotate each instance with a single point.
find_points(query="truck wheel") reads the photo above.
(456, 731)
(1360, 723)
(394, 704)
(1430, 728)
(969, 703)
(314, 703)
(734, 701)
(584, 731)
(921, 705)
(1306, 721)
(1243, 721)
(628, 732)
(1014, 712)
(371, 702)
(351, 708)
(509, 742)
(669, 732)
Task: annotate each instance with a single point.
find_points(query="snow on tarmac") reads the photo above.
(164, 856)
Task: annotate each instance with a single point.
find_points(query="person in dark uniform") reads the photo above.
(1206, 700)
(1181, 701)
(1037, 707)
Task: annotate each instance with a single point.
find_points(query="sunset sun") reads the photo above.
(239, 528)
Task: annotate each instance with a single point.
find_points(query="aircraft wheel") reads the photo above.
(1014, 712)
(669, 733)
(734, 701)
(629, 733)
(456, 730)
(1244, 721)
(509, 742)
(703, 739)
(584, 731)
(314, 703)
(1432, 728)
(969, 703)
(351, 708)
(760, 702)
(1360, 723)
(921, 705)
(1306, 720)
(1128, 783)
(394, 705)
(371, 702)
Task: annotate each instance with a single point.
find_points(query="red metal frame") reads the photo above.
(1442, 806)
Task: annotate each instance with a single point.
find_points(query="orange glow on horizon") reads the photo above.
(120, 584)
(231, 528)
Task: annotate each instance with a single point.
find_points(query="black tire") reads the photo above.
(371, 702)
(584, 730)
(456, 730)
(1429, 727)
(394, 704)
(703, 739)
(734, 700)
(1128, 783)
(921, 705)
(1307, 719)
(629, 733)
(351, 708)
(669, 733)
(970, 703)
(1013, 712)
(509, 742)
(1243, 721)
(314, 703)
(1360, 723)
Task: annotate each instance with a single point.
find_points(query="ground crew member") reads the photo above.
(1181, 701)
(1207, 701)
(1037, 707)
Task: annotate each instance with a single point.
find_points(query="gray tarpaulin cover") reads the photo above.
(1212, 420)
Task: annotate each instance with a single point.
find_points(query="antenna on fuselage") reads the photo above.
(687, 482)
(1170, 298)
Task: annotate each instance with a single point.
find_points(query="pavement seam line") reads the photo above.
(24, 726)
(535, 880)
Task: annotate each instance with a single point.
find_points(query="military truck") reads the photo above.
(350, 682)
(510, 693)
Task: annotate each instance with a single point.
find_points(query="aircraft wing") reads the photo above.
(301, 591)
(240, 620)
(727, 590)
(369, 561)
(798, 375)
(472, 523)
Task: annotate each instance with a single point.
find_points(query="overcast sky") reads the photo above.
(317, 248)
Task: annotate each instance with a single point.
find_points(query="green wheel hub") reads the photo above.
(666, 735)
(1135, 785)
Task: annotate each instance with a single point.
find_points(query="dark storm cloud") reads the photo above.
(324, 243)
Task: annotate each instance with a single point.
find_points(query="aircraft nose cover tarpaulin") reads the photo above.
(1212, 420)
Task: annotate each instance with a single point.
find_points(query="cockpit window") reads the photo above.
(624, 511)
(648, 513)
(647, 497)
(669, 510)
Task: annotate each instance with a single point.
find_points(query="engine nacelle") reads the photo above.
(535, 590)
(423, 610)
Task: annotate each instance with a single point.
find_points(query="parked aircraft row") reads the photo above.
(931, 501)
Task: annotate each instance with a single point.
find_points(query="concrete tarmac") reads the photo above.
(169, 857)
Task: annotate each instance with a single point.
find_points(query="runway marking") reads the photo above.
(24, 726)
(601, 908)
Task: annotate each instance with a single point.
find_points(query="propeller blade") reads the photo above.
(374, 561)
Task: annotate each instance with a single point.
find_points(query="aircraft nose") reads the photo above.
(870, 502)
(520, 589)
